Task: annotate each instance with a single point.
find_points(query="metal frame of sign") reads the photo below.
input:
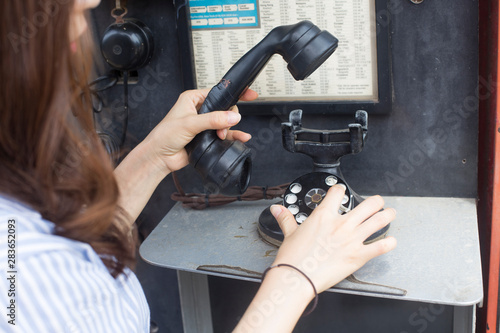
(384, 73)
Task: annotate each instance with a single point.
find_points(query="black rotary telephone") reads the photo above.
(225, 165)
(326, 148)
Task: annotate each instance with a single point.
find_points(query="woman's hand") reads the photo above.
(163, 151)
(183, 123)
(328, 246)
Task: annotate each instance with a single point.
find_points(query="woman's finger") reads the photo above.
(379, 247)
(331, 202)
(238, 135)
(219, 120)
(249, 95)
(211, 120)
(375, 223)
(193, 97)
(198, 96)
(285, 219)
(222, 133)
(366, 209)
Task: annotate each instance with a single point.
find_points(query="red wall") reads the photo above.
(489, 167)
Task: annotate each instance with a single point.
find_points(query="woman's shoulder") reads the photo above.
(58, 291)
(62, 283)
(35, 249)
(31, 235)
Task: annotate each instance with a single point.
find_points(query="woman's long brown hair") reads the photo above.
(50, 156)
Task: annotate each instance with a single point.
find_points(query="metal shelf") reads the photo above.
(437, 259)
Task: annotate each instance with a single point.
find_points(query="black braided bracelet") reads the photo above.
(315, 303)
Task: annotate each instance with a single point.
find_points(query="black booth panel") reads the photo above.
(339, 313)
(157, 89)
(426, 146)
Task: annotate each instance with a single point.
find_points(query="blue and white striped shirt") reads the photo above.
(60, 285)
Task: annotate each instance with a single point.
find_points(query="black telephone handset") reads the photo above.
(225, 165)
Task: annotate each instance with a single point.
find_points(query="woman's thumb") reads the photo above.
(285, 219)
(215, 120)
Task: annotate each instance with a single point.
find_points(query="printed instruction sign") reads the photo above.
(224, 30)
(213, 14)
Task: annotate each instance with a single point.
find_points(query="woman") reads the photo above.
(68, 216)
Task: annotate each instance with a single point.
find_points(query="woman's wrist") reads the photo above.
(137, 176)
(293, 280)
(149, 152)
(302, 274)
(281, 300)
